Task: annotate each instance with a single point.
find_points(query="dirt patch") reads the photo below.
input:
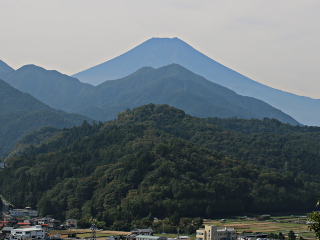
(114, 232)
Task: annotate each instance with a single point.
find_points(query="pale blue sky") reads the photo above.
(275, 42)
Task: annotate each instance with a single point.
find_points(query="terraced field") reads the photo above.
(273, 225)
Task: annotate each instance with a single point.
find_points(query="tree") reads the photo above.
(291, 235)
(175, 218)
(273, 236)
(281, 236)
(150, 217)
(314, 218)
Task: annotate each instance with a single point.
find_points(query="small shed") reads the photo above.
(150, 237)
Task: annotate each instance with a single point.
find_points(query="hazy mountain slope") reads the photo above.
(51, 87)
(157, 159)
(178, 87)
(20, 113)
(157, 52)
(5, 69)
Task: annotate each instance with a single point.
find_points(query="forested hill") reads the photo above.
(258, 126)
(158, 160)
(266, 143)
(20, 114)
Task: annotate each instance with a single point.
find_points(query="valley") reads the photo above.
(160, 142)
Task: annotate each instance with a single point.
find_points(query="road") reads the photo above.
(5, 206)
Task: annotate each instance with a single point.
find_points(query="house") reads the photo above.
(212, 232)
(5, 223)
(54, 224)
(182, 238)
(71, 223)
(36, 232)
(24, 212)
(44, 220)
(25, 223)
(113, 238)
(6, 230)
(6, 217)
(140, 232)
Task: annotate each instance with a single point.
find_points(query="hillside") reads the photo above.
(5, 69)
(158, 52)
(55, 89)
(267, 143)
(20, 114)
(157, 160)
(173, 85)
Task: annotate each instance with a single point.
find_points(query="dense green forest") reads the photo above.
(20, 114)
(156, 160)
(1, 204)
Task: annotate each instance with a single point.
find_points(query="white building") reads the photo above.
(35, 232)
(24, 212)
(212, 232)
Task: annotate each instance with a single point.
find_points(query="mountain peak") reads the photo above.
(31, 67)
(159, 52)
(155, 52)
(164, 39)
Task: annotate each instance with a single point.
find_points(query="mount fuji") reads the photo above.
(158, 52)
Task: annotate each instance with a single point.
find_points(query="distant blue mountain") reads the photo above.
(176, 86)
(158, 52)
(172, 84)
(5, 69)
(49, 86)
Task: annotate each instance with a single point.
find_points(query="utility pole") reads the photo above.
(93, 230)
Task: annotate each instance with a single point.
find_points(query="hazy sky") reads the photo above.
(275, 42)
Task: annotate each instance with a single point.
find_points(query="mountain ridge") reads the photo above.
(164, 85)
(21, 113)
(157, 52)
(5, 69)
(49, 86)
(178, 87)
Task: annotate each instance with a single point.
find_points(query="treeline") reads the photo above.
(167, 225)
(266, 143)
(249, 126)
(1, 203)
(157, 161)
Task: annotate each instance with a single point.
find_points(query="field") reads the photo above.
(86, 233)
(273, 225)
